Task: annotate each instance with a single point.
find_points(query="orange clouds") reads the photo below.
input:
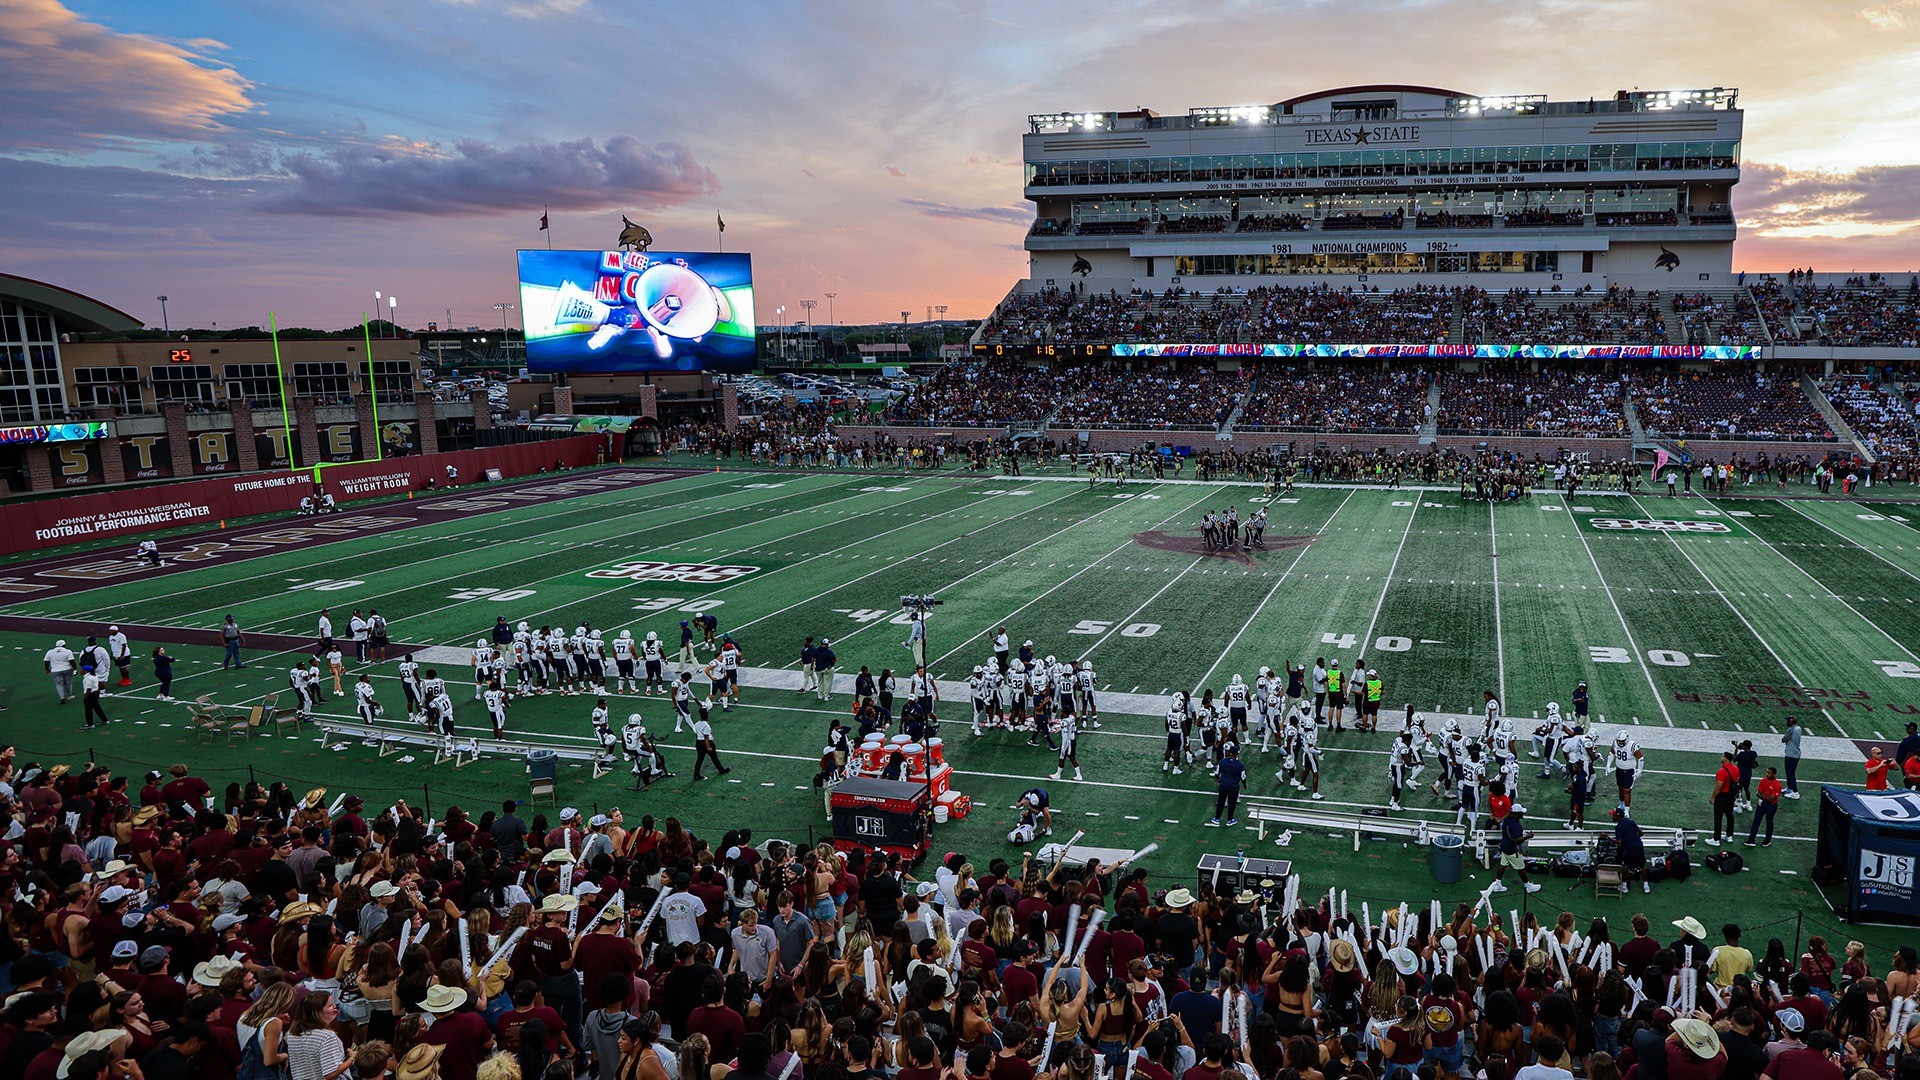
(136, 87)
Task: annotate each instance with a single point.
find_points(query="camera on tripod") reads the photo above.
(920, 602)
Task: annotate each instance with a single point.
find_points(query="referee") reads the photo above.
(704, 747)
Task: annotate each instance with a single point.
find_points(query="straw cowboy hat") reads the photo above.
(1698, 1037)
(1691, 925)
(299, 909)
(214, 971)
(314, 796)
(443, 999)
(558, 903)
(421, 1063)
(557, 855)
(1179, 898)
(1342, 956)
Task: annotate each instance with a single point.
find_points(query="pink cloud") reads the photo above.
(73, 84)
(891, 171)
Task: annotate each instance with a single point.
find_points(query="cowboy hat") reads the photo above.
(314, 796)
(145, 814)
(1245, 896)
(114, 866)
(58, 771)
(1536, 959)
(1342, 956)
(558, 903)
(557, 855)
(443, 999)
(214, 971)
(299, 909)
(1698, 1037)
(421, 1063)
(85, 1043)
(1179, 898)
(1403, 960)
(1691, 926)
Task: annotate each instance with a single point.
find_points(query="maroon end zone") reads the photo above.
(58, 575)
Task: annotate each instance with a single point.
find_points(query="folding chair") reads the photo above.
(207, 725)
(240, 728)
(1607, 879)
(283, 715)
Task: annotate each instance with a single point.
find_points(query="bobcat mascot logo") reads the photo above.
(1081, 266)
(1666, 260)
(634, 237)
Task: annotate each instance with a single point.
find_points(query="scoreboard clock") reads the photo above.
(1039, 351)
(180, 356)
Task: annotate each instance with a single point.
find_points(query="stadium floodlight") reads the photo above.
(1520, 104)
(1220, 115)
(1071, 121)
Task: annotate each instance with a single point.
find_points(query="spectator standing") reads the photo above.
(1226, 799)
(1790, 751)
(59, 663)
(1726, 788)
(1766, 805)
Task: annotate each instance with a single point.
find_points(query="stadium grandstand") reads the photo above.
(1406, 267)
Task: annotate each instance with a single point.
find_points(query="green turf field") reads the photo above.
(1711, 626)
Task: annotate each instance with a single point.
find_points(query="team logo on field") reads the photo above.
(1658, 525)
(688, 573)
(1194, 544)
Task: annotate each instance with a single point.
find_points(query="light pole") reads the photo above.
(941, 310)
(166, 330)
(780, 332)
(904, 343)
(392, 303)
(830, 297)
(376, 308)
(503, 309)
(810, 305)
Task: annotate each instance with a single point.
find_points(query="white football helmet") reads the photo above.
(651, 636)
(626, 635)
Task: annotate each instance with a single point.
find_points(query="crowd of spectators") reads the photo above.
(1541, 217)
(1860, 314)
(1725, 405)
(1774, 303)
(1027, 316)
(1392, 219)
(1324, 314)
(1330, 395)
(1256, 223)
(1882, 418)
(1512, 398)
(1620, 219)
(1162, 397)
(169, 931)
(1195, 223)
(981, 393)
(1529, 317)
(1447, 219)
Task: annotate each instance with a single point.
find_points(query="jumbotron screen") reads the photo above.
(624, 311)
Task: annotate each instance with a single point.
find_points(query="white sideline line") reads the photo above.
(1499, 632)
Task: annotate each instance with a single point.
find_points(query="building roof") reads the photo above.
(1371, 88)
(71, 310)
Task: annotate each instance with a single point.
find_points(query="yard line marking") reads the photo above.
(1850, 541)
(841, 548)
(1499, 635)
(1367, 641)
(1843, 603)
(1115, 628)
(1658, 698)
(1298, 555)
(634, 502)
(1122, 546)
(1685, 554)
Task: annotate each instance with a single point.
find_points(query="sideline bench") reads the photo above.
(462, 750)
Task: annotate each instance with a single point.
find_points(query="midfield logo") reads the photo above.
(1658, 525)
(688, 573)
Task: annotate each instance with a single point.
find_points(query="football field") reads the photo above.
(1695, 622)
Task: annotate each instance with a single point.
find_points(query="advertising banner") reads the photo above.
(45, 523)
(146, 457)
(213, 453)
(1462, 352)
(49, 433)
(76, 464)
(631, 311)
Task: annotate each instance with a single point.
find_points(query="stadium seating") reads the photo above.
(980, 394)
(1335, 396)
(1720, 406)
(1322, 314)
(1515, 399)
(1862, 314)
(1110, 395)
(1881, 417)
(1618, 316)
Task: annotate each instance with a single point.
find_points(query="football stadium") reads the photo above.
(1385, 518)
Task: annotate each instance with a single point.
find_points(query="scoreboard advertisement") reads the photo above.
(611, 312)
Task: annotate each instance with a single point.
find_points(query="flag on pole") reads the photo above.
(543, 222)
(1659, 461)
(722, 222)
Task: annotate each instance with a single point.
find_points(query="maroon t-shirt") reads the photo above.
(507, 1028)
(722, 1026)
(1017, 984)
(465, 1035)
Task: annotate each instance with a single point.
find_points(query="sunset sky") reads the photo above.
(242, 157)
